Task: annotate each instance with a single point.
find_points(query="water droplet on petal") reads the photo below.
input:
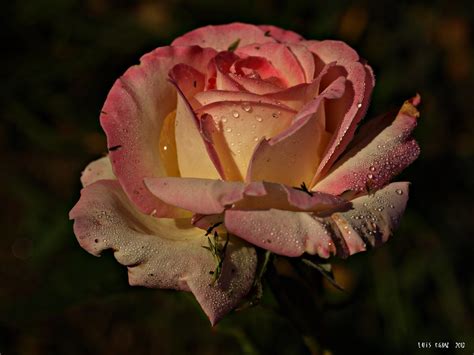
(246, 107)
(235, 114)
(258, 118)
(228, 130)
(370, 176)
(255, 139)
(359, 105)
(372, 168)
(224, 119)
(399, 192)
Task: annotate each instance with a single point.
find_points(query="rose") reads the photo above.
(242, 131)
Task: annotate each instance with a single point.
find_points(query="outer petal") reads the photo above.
(344, 114)
(100, 169)
(297, 149)
(133, 115)
(369, 223)
(281, 232)
(280, 34)
(220, 37)
(203, 196)
(382, 149)
(161, 253)
(372, 220)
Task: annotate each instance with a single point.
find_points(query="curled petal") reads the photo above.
(213, 96)
(206, 196)
(306, 60)
(221, 37)
(161, 253)
(344, 114)
(281, 58)
(256, 86)
(372, 219)
(133, 116)
(382, 149)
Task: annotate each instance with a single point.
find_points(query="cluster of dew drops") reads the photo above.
(246, 107)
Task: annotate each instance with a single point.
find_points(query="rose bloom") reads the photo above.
(247, 132)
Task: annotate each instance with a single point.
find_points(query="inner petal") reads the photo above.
(239, 126)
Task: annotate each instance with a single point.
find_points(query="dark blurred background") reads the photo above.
(60, 58)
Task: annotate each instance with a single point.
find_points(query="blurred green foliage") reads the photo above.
(60, 57)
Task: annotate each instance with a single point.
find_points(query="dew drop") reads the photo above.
(372, 168)
(235, 114)
(165, 147)
(359, 105)
(255, 139)
(228, 130)
(224, 119)
(258, 118)
(246, 107)
(399, 192)
(370, 176)
(392, 206)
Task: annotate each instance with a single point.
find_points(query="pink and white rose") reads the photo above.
(251, 127)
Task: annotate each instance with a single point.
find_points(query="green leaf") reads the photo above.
(234, 45)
